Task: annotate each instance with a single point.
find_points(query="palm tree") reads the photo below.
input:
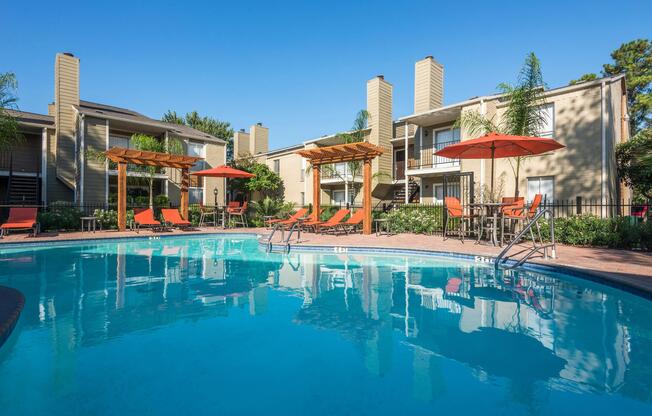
(523, 116)
(353, 168)
(9, 134)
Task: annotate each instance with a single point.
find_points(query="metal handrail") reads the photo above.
(296, 226)
(528, 227)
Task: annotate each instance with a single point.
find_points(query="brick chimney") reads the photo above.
(66, 95)
(428, 85)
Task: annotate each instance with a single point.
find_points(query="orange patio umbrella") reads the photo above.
(495, 145)
(224, 171)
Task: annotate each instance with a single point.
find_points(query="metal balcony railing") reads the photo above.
(428, 159)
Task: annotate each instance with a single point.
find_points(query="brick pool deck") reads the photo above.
(624, 267)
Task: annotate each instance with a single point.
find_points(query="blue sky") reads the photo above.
(300, 67)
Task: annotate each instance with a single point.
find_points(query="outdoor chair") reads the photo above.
(516, 215)
(240, 213)
(21, 219)
(144, 218)
(455, 211)
(287, 224)
(333, 221)
(299, 214)
(207, 212)
(351, 225)
(172, 218)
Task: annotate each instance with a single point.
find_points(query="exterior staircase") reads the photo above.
(23, 190)
(399, 194)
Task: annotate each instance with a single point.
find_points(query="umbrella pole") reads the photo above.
(493, 150)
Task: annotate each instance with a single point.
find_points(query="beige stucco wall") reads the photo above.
(428, 85)
(215, 156)
(290, 167)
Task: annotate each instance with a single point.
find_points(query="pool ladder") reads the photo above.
(269, 246)
(541, 247)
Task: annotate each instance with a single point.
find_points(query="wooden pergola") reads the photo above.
(123, 157)
(348, 152)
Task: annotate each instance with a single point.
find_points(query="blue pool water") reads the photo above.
(214, 325)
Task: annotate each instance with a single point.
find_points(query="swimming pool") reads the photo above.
(214, 325)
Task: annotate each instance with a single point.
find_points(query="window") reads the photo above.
(199, 150)
(544, 185)
(277, 166)
(303, 198)
(196, 188)
(438, 191)
(445, 137)
(548, 127)
(337, 197)
(119, 141)
(302, 175)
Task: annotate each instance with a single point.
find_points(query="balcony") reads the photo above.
(339, 173)
(428, 160)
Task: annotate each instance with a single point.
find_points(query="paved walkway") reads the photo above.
(626, 267)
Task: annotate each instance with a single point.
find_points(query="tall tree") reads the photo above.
(635, 60)
(635, 163)
(523, 116)
(220, 129)
(152, 144)
(353, 168)
(9, 134)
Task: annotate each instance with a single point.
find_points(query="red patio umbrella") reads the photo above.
(224, 171)
(495, 145)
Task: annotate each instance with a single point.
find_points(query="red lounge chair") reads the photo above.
(351, 224)
(20, 219)
(145, 218)
(299, 214)
(172, 218)
(330, 223)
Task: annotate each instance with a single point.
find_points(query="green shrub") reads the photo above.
(161, 201)
(415, 219)
(268, 207)
(60, 216)
(108, 218)
(590, 230)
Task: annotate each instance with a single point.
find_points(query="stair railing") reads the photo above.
(534, 222)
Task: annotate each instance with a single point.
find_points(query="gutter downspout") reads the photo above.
(82, 160)
(44, 166)
(405, 166)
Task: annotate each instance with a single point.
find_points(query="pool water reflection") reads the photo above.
(214, 325)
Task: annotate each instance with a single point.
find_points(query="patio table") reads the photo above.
(492, 209)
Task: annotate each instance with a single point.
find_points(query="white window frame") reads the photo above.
(202, 154)
(277, 166)
(549, 199)
(549, 133)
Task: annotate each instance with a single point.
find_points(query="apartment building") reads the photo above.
(55, 163)
(590, 119)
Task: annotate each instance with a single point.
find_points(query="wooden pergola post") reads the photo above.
(122, 196)
(366, 196)
(123, 156)
(185, 182)
(316, 190)
(347, 152)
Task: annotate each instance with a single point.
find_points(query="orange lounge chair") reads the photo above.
(331, 222)
(20, 219)
(351, 224)
(145, 218)
(290, 222)
(299, 214)
(172, 218)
